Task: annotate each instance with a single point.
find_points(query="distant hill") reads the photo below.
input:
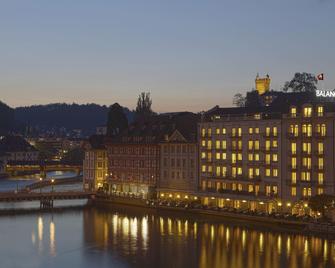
(70, 116)
(55, 116)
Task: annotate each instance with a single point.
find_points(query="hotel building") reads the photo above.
(268, 157)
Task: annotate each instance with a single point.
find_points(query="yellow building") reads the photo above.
(262, 84)
(95, 168)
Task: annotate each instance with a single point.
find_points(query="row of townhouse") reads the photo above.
(269, 157)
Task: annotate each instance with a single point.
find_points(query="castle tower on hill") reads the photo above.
(262, 84)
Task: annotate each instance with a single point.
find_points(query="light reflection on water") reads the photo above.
(133, 238)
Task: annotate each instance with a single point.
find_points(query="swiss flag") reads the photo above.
(320, 76)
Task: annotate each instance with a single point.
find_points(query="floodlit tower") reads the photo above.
(262, 84)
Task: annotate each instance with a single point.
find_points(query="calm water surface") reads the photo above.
(122, 237)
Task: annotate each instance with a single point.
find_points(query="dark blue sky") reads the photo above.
(191, 55)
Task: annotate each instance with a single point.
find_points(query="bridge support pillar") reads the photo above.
(47, 203)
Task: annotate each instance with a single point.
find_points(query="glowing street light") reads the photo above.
(52, 184)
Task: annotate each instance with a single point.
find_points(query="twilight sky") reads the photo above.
(190, 54)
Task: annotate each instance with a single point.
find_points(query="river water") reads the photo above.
(133, 237)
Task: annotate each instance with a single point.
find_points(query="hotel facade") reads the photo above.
(270, 158)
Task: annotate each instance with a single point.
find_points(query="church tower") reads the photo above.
(262, 84)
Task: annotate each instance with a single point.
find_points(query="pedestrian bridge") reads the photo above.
(32, 196)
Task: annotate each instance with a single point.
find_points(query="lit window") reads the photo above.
(224, 156)
(320, 148)
(257, 172)
(267, 172)
(250, 157)
(256, 144)
(320, 110)
(203, 143)
(320, 191)
(267, 159)
(250, 188)
(218, 171)
(251, 173)
(224, 131)
(320, 163)
(224, 145)
(293, 191)
(203, 132)
(275, 144)
(320, 178)
(294, 177)
(256, 157)
(218, 156)
(274, 157)
(294, 148)
(257, 116)
(275, 172)
(217, 131)
(209, 132)
(267, 131)
(217, 145)
(267, 145)
(203, 168)
(275, 131)
(239, 132)
(250, 130)
(293, 112)
(307, 111)
(203, 155)
(239, 171)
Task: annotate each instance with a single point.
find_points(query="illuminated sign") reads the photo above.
(325, 93)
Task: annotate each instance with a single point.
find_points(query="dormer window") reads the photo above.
(307, 112)
(320, 111)
(293, 112)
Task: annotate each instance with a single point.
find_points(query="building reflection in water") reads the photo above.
(175, 241)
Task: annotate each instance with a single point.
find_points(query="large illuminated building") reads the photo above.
(270, 156)
(154, 154)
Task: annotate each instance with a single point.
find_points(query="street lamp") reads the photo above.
(41, 185)
(52, 184)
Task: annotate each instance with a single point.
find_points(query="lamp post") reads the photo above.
(41, 185)
(52, 185)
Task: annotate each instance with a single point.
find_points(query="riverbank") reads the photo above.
(258, 221)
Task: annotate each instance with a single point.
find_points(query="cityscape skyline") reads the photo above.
(200, 52)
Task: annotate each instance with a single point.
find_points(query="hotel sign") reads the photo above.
(325, 93)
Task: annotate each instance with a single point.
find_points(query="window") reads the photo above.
(203, 143)
(267, 131)
(307, 111)
(275, 158)
(275, 172)
(257, 172)
(224, 144)
(250, 157)
(256, 157)
(320, 191)
(224, 131)
(209, 144)
(217, 131)
(294, 130)
(294, 162)
(293, 191)
(267, 172)
(294, 177)
(294, 148)
(320, 163)
(203, 132)
(250, 188)
(275, 131)
(239, 132)
(320, 110)
(320, 178)
(224, 156)
(256, 130)
(307, 147)
(209, 132)
(307, 130)
(251, 173)
(267, 159)
(251, 130)
(233, 172)
(218, 171)
(293, 112)
(218, 156)
(233, 158)
(256, 144)
(320, 148)
(250, 144)
(275, 144)
(203, 168)
(217, 145)
(233, 132)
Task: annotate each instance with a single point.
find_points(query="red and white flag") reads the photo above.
(320, 76)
